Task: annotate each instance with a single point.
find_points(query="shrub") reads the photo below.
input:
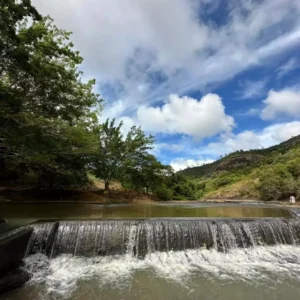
(222, 182)
(294, 167)
(163, 193)
(270, 189)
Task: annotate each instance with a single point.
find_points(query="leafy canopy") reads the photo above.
(48, 119)
(125, 158)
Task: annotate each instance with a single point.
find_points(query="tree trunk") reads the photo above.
(106, 185)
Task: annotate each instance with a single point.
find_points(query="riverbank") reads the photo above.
(85, 196)
(95, 194)
(99, 196)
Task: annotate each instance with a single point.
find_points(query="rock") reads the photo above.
(13, 279)
(13, 245)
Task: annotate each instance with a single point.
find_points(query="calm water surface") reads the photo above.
(128, 211)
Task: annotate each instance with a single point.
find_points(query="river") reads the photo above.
(253, 271)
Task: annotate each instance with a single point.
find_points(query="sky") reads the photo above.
(205, 77)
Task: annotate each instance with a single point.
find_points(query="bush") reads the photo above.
(294, 167)
(270, 189)
(163, 193)
(288, 187)
(222, 182)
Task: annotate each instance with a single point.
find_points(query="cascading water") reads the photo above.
(139, 238)
(164, 259)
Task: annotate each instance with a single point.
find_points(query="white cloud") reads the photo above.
(129, 43)
(252, 89)
(110, 32)
(171, 147)
(287, 67)
(181, 163)
(247, 140)
(281, 103)
(252, 112)
(279, 133)
(186, 115)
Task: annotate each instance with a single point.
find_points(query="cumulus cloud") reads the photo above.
(181, 163)
(146, 49)
(246, 140)
(186, 115)
(279, 133)
(281, 103)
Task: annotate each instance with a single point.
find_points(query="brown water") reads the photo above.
(265, 273)
(261, 272)
(132, 211)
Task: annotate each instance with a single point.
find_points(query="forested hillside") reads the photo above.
(268, 174)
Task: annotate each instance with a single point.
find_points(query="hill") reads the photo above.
(268, 174)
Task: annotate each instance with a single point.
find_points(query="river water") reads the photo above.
(131, 211)
(256, 272)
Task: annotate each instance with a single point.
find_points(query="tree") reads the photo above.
(48, 120)
(117, 156)
(270, 188)
(108, 160)
(146, 173)
(183, 187)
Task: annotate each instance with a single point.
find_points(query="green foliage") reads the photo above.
(124, 158)
(48, 117)
(222, 182)
(183, 187)
(270, 189)
(109, 159)
(164, 193)
(294, 167)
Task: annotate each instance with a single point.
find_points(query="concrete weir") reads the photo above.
(141, 237)
(13, 247)
(136, 238)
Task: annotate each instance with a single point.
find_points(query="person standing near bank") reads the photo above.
(292, 199)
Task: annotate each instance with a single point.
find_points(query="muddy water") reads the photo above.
(258, 272)
(266, 273)
(131, 211)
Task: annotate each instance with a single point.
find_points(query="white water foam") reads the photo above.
(256, 265)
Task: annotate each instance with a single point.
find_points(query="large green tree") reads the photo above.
(119, 156)
(48, 119)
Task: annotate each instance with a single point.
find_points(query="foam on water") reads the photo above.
(255, 265)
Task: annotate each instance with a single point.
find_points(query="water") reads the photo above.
(270, 272)
(139, 238)
(130, 211)
(140, 258)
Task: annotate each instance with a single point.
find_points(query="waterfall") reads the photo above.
(141, 237)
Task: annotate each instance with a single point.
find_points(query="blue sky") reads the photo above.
(205, 77)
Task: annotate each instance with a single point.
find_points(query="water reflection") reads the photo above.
(99, 211)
